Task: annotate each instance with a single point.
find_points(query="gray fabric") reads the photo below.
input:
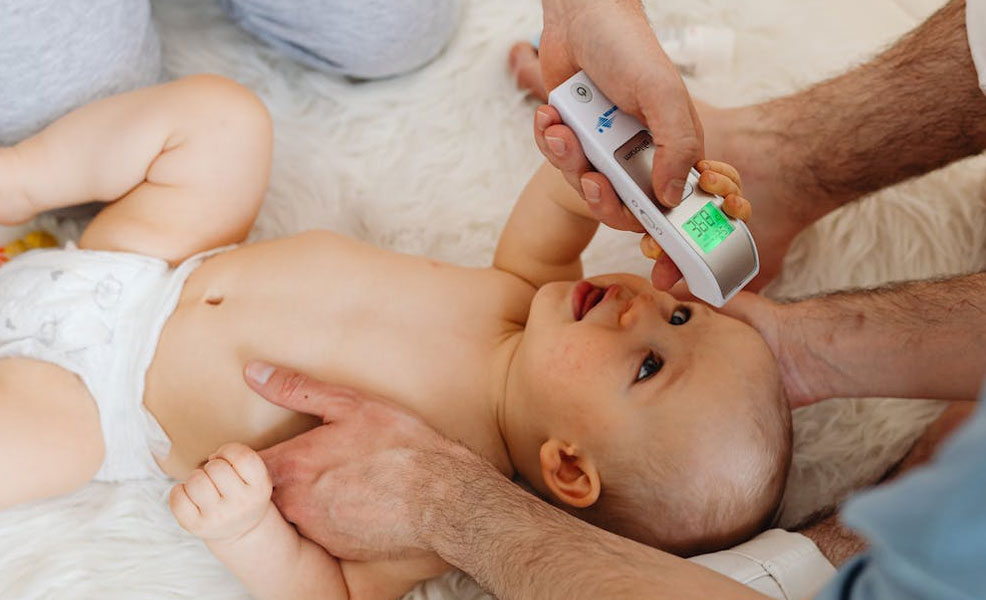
(366, 39)
(56, 55)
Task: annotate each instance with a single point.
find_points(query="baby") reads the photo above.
(658, 419)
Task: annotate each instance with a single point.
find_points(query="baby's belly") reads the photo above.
(195, 387)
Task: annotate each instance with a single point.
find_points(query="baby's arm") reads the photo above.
(547, 231)
(551, 225)
(227, 503)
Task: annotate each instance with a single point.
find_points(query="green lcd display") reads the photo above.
(708, 227)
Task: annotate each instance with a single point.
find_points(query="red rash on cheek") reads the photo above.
(578, 360)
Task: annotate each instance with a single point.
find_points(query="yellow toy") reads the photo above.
(35, 239)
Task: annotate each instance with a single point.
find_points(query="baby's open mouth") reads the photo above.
(585, 296)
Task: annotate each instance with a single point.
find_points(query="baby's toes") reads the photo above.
(526, 67)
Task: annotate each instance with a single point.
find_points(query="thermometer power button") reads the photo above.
(581, 92)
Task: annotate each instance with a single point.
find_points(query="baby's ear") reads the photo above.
(570, 475)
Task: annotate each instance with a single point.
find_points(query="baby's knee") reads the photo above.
(370, 39)
(230, 105)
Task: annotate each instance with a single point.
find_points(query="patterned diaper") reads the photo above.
(98, 315)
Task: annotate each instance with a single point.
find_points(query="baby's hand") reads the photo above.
(716, 178)
(226, 498)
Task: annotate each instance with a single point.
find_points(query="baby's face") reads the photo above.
(611, 361)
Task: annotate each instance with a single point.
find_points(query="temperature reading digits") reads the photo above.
(708, 227)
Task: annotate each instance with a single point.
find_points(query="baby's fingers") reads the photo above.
(224, 477)
(182, 507)
(725, 169)
(201, 490)
(717, 183)
(650, 248)
(246, 464)
(737, 207)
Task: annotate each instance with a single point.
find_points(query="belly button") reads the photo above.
(214, 300)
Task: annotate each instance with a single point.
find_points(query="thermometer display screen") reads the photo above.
(708, 227)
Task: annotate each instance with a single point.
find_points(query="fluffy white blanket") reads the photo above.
(430, 163)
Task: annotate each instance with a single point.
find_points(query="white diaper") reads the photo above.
(98, 315)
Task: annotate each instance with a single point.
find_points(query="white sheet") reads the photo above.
(430, 164)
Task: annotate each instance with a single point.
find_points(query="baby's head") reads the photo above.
(660, 420)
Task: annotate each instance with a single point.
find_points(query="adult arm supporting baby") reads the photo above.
(404, 488)
(914, 340)
(227, 504)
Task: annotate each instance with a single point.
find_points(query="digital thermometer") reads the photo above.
(714, 251)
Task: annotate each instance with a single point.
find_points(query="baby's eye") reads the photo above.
(680, 316)
(649, 367)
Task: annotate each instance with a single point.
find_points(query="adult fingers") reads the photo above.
(562, 149)
(290, 460)
(664, 274)
(559, 145)
(298, 392)
(605, 205)
(678, 140)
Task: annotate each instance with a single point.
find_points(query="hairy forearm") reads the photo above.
(519, 547)
(913, 108)
(914, 340)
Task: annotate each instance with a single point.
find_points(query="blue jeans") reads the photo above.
(927, 531)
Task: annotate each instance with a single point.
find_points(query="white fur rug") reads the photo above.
(430, 163)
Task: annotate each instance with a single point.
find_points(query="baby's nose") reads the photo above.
(638, 307)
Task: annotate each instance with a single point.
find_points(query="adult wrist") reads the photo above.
(453, 479)
(805, 344)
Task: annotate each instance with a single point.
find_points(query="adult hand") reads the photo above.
(359, 484)
(612, 42)
(785, 340)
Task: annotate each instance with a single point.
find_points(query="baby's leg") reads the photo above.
(184, 166)
(50, 438)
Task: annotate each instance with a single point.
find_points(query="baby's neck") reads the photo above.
(494, 402)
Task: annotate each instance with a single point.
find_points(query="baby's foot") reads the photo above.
(15, 205)
(226, 498)
(524, 64)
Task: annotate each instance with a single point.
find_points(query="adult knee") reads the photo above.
(368, 40)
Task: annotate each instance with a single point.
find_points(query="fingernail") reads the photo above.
(702, 165)
(650, 248)
(259, 372)
(541, 120)
(556, 144)
(591, 191)
(673, 191)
